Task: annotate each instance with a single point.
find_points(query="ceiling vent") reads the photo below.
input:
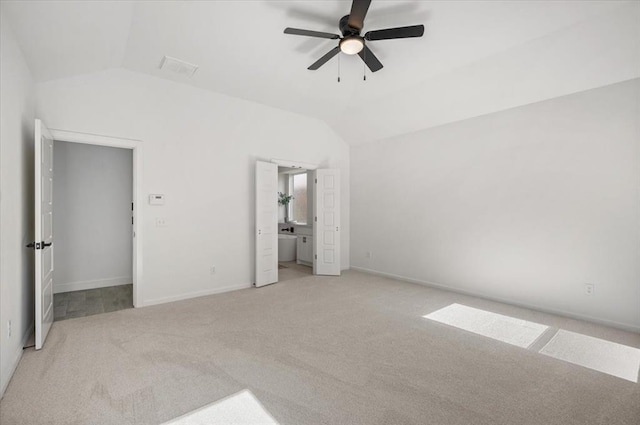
(177, 66)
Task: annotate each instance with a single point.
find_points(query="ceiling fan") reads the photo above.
(352, 42)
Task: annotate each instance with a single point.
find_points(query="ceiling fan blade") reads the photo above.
(317, 64)
(400, 32)
(370, 59)
(296, 31)
(359, 10)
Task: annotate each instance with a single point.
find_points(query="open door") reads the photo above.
(326, 223)
(43, 245)
(266, 223)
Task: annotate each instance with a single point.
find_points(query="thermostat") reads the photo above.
(156, 199)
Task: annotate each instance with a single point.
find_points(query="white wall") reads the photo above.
(92, 195)
(200, 150)
(525, 205)
(17, 106)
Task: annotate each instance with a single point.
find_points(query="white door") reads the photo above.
(266, 223)
(43, 245)
(326, 224)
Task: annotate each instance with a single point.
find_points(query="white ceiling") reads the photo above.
(242, 51)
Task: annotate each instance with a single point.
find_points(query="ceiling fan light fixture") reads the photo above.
(351, 45)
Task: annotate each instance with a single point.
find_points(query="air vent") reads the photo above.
(177, 66)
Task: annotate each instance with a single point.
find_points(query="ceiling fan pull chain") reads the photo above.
(338, 68)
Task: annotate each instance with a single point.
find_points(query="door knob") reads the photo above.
(38, 245)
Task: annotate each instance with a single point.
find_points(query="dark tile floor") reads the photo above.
(67, 305)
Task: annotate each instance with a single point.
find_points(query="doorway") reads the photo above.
(43, 244)
(295, 223)
(92, 225)
(322, 225)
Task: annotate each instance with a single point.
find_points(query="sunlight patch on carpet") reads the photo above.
(496, 326)
(594, 353)
(240, 408)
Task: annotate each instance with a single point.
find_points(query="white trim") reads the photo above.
(294, 164)
(137, 147)
(91, 284)
(196, 294)
(610, 323)
(14, 364)
(93, 139)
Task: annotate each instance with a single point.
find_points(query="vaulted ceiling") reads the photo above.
(475, 57)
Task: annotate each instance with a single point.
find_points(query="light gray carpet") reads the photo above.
(313, 350)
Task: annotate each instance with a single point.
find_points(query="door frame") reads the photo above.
(137, 149)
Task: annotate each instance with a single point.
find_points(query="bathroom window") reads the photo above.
(298, 188)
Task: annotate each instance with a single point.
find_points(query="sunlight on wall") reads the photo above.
(240, 408)
(502, 328)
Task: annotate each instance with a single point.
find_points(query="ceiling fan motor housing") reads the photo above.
(351, 42)
(346, 29)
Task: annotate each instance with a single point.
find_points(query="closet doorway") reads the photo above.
(44, 244)
(93, 228)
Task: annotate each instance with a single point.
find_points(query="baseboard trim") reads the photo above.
(91, 284)
(16, 360)
(605, 322)
(196, 294)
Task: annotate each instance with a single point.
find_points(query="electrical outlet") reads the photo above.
(368, 255)
(9, 328)
(212, 270)
(589, 289)
(161, 222)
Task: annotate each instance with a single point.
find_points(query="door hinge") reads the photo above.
(316, 181)
(315, 218)
(316, 256)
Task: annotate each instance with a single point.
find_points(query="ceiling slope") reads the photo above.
(453, 72)
(588, 55)
(63, 39)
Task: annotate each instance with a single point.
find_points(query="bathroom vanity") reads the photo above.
(304, 248)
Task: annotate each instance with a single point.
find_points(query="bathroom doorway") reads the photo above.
(297, 220)
(295, 223)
